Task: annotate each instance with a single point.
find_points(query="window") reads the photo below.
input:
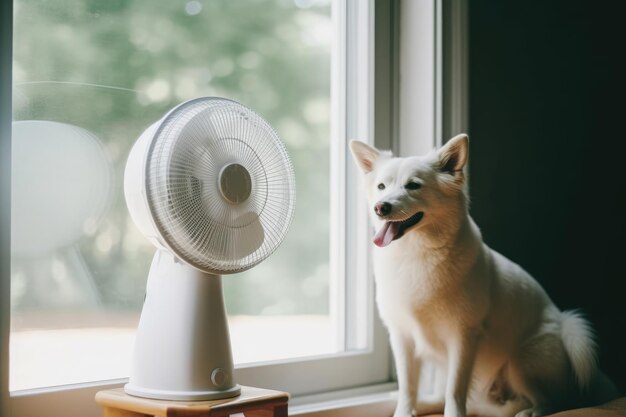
(88, 77)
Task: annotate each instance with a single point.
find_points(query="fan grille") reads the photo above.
(204, 225)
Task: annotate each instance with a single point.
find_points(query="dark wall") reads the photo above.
(548, 152)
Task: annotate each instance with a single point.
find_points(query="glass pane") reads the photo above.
(89, 77)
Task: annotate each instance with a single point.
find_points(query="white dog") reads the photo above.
(505, 348)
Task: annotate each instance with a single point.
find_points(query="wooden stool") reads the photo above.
(253, 402)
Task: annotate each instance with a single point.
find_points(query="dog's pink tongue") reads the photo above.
(386, 234)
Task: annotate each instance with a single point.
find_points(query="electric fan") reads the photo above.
(212, 187)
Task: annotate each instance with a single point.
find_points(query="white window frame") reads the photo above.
(388, 71)
(6, 115)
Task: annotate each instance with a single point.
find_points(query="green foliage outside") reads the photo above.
(269, 55)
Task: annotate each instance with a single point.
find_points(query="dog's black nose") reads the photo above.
(382, 209)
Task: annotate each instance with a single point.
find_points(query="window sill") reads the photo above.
(371, 401)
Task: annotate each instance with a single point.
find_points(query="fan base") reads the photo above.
(182, 395)
(182, 347)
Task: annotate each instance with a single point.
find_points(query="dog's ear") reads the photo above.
(364, 155)
(453, 155)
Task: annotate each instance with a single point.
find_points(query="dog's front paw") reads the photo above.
(533, 412)
(404, 410)
(453, 411)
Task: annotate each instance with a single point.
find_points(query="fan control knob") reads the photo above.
(219, 377)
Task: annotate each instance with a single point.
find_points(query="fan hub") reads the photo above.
(212, 183)
(235, 183)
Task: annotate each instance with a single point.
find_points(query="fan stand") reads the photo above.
(182, 348)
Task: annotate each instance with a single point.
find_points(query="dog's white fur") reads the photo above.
(504, 347)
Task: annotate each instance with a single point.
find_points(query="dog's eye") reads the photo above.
(413, 186)
(381, 186)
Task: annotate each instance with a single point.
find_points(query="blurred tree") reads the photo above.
(113, 67)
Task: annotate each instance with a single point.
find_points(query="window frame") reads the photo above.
(385, 51)
(6, 80)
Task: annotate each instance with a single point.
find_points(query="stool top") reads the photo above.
(250, 397)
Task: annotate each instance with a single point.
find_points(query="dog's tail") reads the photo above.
(580, 346)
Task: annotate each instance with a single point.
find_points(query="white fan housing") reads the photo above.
(212, 187)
